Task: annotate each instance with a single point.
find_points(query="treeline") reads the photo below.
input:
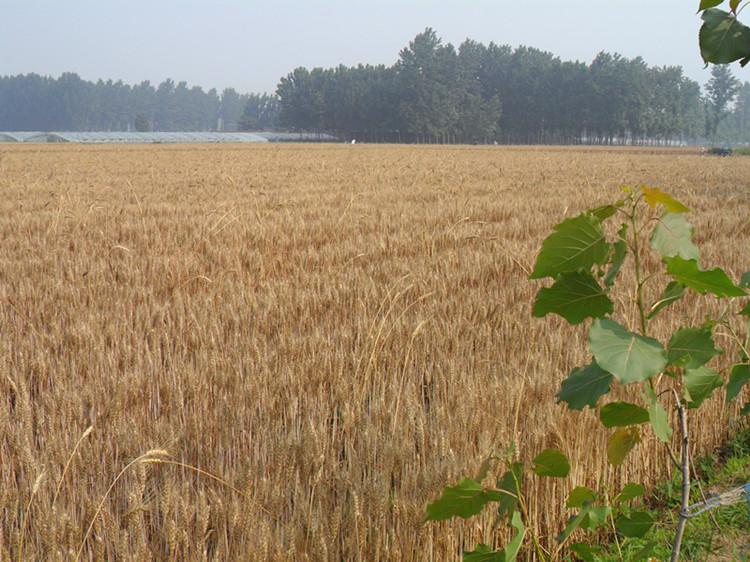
(38, 103)
(494, 93)
(434, 92)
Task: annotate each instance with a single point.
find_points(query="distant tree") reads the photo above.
(142, 123)
(429, 86)
(722, 88)
(261, 113)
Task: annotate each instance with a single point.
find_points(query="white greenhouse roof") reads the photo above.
(128, 137)
(16, 136)
(297, 137)
(144, 138)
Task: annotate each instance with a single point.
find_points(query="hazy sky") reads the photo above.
(250, 44)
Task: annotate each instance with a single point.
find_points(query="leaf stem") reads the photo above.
(614, 528)
(637, 266)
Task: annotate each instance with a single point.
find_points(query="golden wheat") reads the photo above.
(320, 336)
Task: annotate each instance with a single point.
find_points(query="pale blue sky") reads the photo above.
(249, 44)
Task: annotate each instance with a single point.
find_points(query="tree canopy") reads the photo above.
(32, 102)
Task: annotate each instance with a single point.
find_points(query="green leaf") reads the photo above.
(510, 488)
(586, 552)
(618, 257)
(604, 212)
(706, 4)
(576, 243)
(575, 296)
(673, 237)
(715, 281)
(739, 377)
(672, 293)
(700, 384)
(622, 414)
(573, 523)
(645, 552)
(745, 409)
(628, 356)
(630, 492)
(636, 526)
(464, 500)
(691, 348)
(621, 442)
(745, 280)
(551, 463)
(512, 548)
(723, 39)
(484, 553)
(746, 310)
(584, 386)
(579, 496)
(659, 420)
(655, 196)
(596, 517)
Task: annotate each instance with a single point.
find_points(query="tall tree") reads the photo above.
(721, 89)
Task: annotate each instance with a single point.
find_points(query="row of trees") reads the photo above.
(484, 93)
(32, 102)
(433, 93)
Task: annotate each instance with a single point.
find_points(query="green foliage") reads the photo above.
(659, 418)
(584, 386)
(723, 39)
(630, 492)
(672, 293)
(622, 414)
(618, 257)
(715, 281)
(575, 256)
(691, 348)
(464, 500)
(621, 442)
(636, 525)
(576, 243)
(630, 357)
(673, 237)
(510, 486)
(551, 463)
(575, 296)
(700, 384)
(580, 496)
(737, 380)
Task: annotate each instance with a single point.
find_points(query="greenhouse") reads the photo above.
(16, 136)
(162, 138)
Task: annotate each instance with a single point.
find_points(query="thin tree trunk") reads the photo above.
(684, 504)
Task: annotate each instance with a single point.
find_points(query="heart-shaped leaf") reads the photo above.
(673, 236)
(691, 348)
(584, 386)
(629, 357)
(636, 526)
(576, 243)
(575, 296)
(700, 384)
(622, 414)
(464, 500)
(551, 463)
(621, 442)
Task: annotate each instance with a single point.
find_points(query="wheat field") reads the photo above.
(284, 352)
